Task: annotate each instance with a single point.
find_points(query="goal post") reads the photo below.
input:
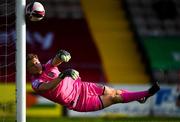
(20, 61)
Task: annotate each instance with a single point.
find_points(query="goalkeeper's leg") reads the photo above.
(112, 96)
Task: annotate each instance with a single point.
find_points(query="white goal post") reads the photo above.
(20, 61)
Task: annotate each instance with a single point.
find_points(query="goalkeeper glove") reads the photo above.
(64, 55)
(69, 72)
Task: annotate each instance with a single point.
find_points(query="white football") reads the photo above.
(35, 11)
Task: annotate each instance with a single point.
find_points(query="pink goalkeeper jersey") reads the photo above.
(66, 91)
(74, 94)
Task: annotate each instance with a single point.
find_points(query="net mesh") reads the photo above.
(7, 60)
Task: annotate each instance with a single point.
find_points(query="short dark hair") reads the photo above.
(30, 57)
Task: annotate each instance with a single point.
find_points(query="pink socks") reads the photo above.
(128, 96)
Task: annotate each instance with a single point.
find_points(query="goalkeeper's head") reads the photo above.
(33, 64)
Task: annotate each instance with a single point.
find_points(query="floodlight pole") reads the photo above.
(20, 61)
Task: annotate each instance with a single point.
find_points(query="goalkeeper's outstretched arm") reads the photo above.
(61, 56)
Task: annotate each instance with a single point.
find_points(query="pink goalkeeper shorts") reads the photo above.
(89, 98)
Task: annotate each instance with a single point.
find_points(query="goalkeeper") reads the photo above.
(67, 88)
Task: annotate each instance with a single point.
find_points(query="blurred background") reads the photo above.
(125, 44)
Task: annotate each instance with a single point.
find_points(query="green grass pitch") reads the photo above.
(97, 119)
(105, 119)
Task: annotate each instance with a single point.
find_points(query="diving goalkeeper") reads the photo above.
(67, 88)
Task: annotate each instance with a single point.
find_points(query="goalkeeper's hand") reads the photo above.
(69, 72)
(64, 55)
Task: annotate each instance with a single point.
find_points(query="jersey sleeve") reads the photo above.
(48, 65)
(36, 83)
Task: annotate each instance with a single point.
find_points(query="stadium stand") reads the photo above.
(156, 24)
(115, 41)
(113, 56)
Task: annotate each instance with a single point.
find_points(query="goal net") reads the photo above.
(12, 90)
(7, 60)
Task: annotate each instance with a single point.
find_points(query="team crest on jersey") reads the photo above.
(51, 74)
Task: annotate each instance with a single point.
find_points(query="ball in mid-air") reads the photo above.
(35, 11)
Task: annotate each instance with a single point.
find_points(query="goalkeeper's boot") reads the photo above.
(154, 89)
